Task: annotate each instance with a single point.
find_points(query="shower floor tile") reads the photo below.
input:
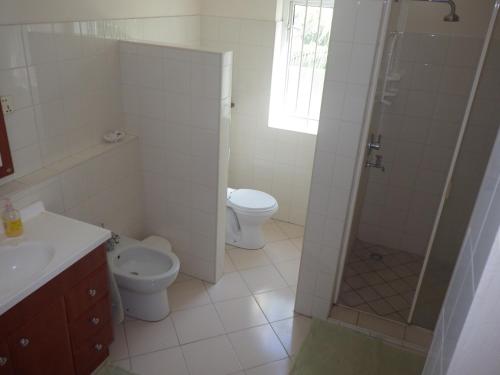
(380, 280)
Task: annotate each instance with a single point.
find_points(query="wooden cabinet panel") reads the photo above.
(87, 292)
(5, 360)
(90, 322)
(93, 351)
(42, 345)
(60, 285)
(48, 331)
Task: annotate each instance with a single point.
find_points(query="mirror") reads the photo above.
(6, 165)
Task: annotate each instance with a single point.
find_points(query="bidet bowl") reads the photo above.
(142, 269)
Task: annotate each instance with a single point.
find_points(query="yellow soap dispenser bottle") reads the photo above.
(12, 222)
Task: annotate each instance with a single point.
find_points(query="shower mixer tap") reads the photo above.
(375, 145)
(377, 164)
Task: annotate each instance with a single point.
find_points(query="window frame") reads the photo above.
(282, 60)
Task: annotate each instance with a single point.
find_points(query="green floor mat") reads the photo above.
(331, 349)
(109, 369)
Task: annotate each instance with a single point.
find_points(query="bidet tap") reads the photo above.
(113, 241)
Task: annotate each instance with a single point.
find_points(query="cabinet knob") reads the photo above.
(98, 347)
(24, 342)
(92, 292)
(3, 361)
(95, 320)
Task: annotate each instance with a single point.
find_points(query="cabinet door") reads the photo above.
(42, 345)
(5, 360)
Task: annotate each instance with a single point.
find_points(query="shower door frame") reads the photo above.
(364, 139)
(456, 152)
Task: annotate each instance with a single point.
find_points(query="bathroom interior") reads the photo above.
(202, 183)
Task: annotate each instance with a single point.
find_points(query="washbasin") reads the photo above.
(22, 262)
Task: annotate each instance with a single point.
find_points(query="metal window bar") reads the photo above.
(291, 31)
(301, 55)
(314, 60)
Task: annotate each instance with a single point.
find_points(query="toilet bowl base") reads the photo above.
(151, 307)
(251, 238)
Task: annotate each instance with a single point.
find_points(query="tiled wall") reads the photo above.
(101, 185)
(276, 161)
(64, 82)
(419, 132)
(177, 101)
(267, 10)
(354, 33)
(466, 337)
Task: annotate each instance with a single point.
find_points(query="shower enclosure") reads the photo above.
(432, 128)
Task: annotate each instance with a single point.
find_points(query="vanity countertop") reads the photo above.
(70, 240)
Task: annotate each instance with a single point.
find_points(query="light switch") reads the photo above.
(7, 105)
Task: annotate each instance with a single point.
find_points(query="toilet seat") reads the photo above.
(251, 201)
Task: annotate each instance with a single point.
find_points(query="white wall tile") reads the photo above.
(335, 159)
(179, 125)
(14, 82)
(11, 45)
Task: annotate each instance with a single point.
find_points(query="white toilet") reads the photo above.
(247, 211)
(143, 271)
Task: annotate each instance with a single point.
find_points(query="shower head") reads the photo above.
(450, 17)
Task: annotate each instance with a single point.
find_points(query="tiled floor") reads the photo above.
(380, 281)
(407, 336)
(244, 324)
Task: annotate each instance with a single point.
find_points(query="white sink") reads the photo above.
(23, 262)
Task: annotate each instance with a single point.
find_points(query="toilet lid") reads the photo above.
(253, 200)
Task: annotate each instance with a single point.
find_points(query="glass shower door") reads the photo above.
(468, 173)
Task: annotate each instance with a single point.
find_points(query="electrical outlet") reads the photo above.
(7, 105)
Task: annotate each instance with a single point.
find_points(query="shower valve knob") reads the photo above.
(375, 145)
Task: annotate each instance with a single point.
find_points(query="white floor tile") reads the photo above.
(244, 259)
(298, 243)
(144, 337)
(228, 264)
(263, 279)
(277, 305)
(170, 361)
(291, 230)
(187, 294)
(292, 332)
(197, 323)
(181, 277)
(214, 356)
(118, 349)
(275, 368)
(281, 251)
(230, 286)
(272, 232)
(257, 346)
(290, 271)
(240, 313)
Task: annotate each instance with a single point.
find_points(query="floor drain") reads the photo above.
(376, 256)
(134, 273)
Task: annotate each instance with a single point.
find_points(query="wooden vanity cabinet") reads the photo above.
(5, 359)
(43, 343)
(64, 327)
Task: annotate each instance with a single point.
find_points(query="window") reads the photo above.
(300, 63)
